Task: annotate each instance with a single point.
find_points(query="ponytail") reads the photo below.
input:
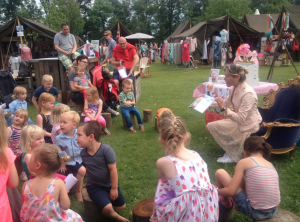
(256, 144)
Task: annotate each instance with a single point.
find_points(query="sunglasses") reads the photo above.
(105, 35)
(84, 62)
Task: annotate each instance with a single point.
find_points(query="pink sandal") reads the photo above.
(234, 204)
(227, 205)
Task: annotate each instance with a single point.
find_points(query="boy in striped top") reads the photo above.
(254, 187)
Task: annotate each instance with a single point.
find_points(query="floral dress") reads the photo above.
(45, 208)
(14, 140)
(189, 196)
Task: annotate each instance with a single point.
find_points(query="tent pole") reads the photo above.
(237, 31)
(23, 32)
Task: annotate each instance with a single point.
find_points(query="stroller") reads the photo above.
(7, 85)
(106, 86)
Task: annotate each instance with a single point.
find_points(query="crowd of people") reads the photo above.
(58, 144)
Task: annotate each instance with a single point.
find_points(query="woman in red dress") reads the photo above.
(185, 51)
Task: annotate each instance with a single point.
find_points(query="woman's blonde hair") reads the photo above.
(236, 70)
(17, 91)
(94, 92)
(27, 134)
(172, 132)
(3, 144)
(50, 157)
(56, 113)
(44, 97)
(23, 113)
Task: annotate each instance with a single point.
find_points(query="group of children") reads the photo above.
(184, 191)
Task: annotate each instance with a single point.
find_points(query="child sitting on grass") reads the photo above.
(102, 175)
(81, 81)
(55, 119)
(47, 86)
(254, 187)
(66, 141)
(44, 197)
(127, 102)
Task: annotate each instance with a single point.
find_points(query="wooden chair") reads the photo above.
(280, 117)
(143, 66)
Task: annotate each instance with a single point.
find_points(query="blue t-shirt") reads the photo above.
(53, 91)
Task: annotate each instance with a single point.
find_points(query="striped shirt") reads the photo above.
(262, 187)
(14, 140)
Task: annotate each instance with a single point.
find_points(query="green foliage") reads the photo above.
(218, 8)
(269, 6)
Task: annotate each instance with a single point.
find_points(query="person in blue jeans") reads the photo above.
(127, 102)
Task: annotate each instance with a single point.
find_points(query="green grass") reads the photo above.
(137, 153)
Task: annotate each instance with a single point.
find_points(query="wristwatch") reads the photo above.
(224, 108)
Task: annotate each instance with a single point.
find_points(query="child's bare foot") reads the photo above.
(79, 196)
(132, 130)
(142, 128)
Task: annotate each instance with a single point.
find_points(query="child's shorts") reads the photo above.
(100, 196)
(243, 204)
(74, 169)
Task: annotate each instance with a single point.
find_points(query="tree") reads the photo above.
(8, 9)
(60, 11)
(31, 10)
(194, 9)
(218, 8)
(269, 6)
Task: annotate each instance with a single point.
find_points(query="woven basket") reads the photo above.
(278, 63)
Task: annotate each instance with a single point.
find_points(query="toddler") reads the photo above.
(8, 173)
(93, 108)
(46, 103)
(184, 191)
(31, 137)
(99, 157)
(47, 87)
(14, 135)
(45, 198)
(127, 102)
(254, 187)
(82, 81)
(55, 119)
(66, 141)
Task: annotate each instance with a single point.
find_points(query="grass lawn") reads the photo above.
(137, 153)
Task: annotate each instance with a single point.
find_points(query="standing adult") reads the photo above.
(124, 54)
(242, 121)
(66, 46)
(76, 96)
(111, 45)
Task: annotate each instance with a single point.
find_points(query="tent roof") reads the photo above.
(294, 11)
(181, 28)
(37, 27)
(191, 31)
(259, 22)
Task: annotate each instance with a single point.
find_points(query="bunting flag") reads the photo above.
(270, 23)
(287, 21)
(283, 20)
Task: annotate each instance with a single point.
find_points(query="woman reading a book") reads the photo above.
(242, 120)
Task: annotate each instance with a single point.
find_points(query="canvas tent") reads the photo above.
(182, 27)
(259, 22)
(203, 30)
(294, 12)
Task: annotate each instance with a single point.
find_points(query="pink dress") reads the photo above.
(5, 210)
(189, 196)
(185, 52)
(44, 208)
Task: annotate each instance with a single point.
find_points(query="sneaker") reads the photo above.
(228, 159)
(113, 112)
(23, 176)
(221, 159)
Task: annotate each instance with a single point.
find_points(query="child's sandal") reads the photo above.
(107, 132)
(234, 204)
(227, 205)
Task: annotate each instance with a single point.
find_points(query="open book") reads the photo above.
(202, 103)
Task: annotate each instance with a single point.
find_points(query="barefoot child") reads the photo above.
(46, 103)
(8, 173)
(14, 135)
(81, 81)
(127, 102)
(45, 198)
(93, 108)
(100, 161)
(55, 119)
(66, 141)
(254, 187)
(184, 191)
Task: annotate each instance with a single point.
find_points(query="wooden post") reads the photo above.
(142, 211)
(23, 32)
(147, 116)
(91, 209)
(133, 121)
(107, 117)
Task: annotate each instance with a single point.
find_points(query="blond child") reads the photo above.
(100, 157)
(81, 81)
(66, 141)
(93, 108)
(127, 103)
(31, 137)
(14, 135)
(47, 86)
(45, 198)
(55, 119)
(46, 103)
(8, 173)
